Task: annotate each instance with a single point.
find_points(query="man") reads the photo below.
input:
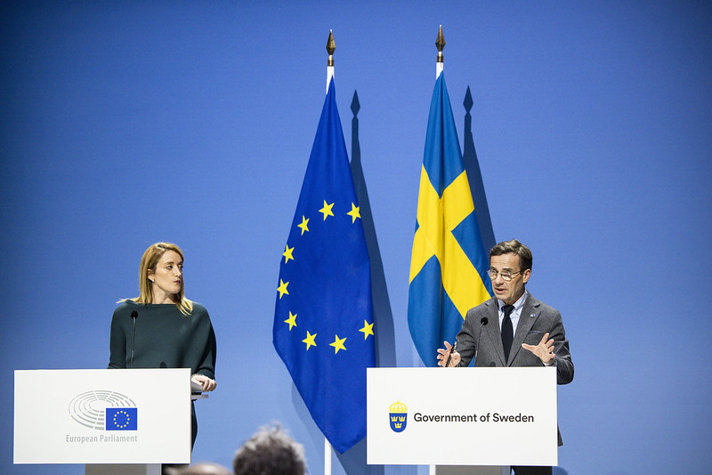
(203, 468)
(270, 452)
(512, 328)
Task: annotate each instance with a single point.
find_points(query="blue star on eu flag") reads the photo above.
(121, 418)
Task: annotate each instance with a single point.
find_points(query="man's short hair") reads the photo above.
(203, 468)
(270, 452)
(515, 247)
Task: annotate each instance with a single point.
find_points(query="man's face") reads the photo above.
(508, 292)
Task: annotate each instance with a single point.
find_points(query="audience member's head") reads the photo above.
(270, 452)
(203, 468)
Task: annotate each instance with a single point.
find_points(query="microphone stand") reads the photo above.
(134, 316)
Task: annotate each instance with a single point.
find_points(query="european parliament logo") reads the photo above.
(121, 418)
(398, 416)
(104, 410)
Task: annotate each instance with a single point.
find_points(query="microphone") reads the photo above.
(483, 322)
(452, 350)
(134, 316)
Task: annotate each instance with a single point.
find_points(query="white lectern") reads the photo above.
(138, 418)
(461, 416)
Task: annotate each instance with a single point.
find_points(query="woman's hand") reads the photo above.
(205, 383)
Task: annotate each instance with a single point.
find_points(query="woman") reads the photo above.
(170, 330)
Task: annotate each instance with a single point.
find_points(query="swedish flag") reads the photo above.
(323, 322)
(448, 267)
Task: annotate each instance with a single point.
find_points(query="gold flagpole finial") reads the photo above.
(330, 48)
(440, 43)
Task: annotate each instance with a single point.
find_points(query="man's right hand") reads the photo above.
(444, 353)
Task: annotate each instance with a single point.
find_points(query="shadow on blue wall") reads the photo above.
(385, 336)
(474, 176)
(354, 460)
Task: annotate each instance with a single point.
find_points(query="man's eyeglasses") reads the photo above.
(505, 274)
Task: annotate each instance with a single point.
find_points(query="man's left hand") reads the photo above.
(544, 350)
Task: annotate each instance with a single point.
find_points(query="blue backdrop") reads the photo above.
(126, 123)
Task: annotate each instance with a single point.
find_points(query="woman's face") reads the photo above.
(167, 278)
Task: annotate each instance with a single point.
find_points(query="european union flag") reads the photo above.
(121, 418)
(323, 323)
(448, 267)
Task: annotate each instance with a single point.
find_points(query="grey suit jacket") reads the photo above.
(536, 319)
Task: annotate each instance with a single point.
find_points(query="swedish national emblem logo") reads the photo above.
(398, 416)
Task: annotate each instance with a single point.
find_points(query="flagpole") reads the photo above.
(327, 457)
(440, 45)
(330, 48)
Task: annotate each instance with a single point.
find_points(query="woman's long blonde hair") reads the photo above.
(148, 263)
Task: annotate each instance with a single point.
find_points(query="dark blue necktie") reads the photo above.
(507, 330)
